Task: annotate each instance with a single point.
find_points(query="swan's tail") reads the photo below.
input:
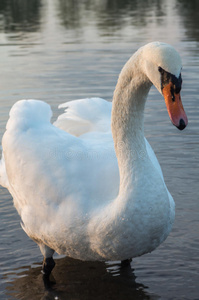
(85, 115)
(28, 113)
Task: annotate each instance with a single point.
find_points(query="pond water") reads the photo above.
(63, 50)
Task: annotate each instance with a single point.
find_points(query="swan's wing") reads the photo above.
(85, 115)
(48, 168)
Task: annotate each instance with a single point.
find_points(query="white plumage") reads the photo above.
(77, 194)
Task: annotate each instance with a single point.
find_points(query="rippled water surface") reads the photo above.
(64, 50)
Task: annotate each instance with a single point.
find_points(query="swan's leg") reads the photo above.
(126, 262)
(48, 261)
(48, 265)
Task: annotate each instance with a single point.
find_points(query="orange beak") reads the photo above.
(174, 106)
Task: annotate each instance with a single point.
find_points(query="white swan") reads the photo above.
(72, 193)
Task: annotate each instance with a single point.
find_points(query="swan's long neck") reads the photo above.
(128, 117)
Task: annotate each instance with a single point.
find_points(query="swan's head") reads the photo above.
(163, 66)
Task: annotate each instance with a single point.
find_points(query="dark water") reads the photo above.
(64, 50)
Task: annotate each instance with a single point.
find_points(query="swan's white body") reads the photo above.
(75, 193)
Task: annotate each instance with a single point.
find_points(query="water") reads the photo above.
(64, 50)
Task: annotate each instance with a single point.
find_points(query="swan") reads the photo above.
(90, 186)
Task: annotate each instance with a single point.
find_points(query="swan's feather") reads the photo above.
(85, 115)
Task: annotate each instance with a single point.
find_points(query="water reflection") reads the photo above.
(19, 15)
(109, 13)
(189, 11)
(75, 279)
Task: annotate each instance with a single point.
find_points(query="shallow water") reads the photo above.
(64, 50)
